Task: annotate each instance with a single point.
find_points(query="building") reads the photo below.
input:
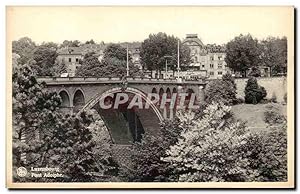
(208, 58)
(72, 56)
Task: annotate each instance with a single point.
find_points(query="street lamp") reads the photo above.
(166, 57)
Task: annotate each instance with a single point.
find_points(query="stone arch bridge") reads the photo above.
(79, 93)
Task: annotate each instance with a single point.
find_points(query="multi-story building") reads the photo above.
(208, 58)
(71, 57)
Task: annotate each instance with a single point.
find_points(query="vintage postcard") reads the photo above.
(150, 97)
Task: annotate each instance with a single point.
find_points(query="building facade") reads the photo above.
(208, 58)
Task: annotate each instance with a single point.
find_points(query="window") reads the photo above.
(195, 60)
(211, 73)
(211, 66)
(203, 66)
(220, 57)
(220, 66)
(70, 59)
(77, 59)
(212, 58)
(220, 72)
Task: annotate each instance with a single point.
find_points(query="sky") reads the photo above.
(125, 24)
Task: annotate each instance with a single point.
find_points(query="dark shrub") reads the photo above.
(253, 92)
(221, 90)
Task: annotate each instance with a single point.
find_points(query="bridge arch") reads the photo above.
(161, 91)
(154, 91)
(65, 97)
(174, 90)
(168, 91)
(131, 90)
(189, 91)
(78, 98)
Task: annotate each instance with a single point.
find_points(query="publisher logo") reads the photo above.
(21, 171)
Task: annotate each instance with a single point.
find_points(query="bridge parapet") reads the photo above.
(95, 80)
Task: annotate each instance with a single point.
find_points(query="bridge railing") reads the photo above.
(113, 79)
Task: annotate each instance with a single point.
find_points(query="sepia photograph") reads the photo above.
(150, 97)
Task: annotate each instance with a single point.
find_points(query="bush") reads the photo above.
(223, 90)
(253, 92)
(147, 165)
(273, 116)
(217, 148)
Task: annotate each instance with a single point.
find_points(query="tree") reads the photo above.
(253, 92)
(72, 151)
(218, 148)
(274, 54)
(42, 136)
(242, 53)
(25, 48)
(45, 57)
(156, 47)
(116, 51)
(221, 90)
(70, 43)
(34, 114)
(147, 165)
(90, 66)
(90, 42)
(113, 64)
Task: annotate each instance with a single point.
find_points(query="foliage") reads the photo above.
(34, 113)
(70, 43)
(90, 42)
(44, 59)
(146, 156)
(274, 54)
(221, 90)
(59, 68)
(108, 67)
(253, 92)
(218, 148)
(254, 72)
(116, 51)
(273, 115)
(242, 53)
(157, 46)
(42, 136)
(25, 48)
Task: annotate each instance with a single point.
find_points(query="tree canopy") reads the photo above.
(44, 59)
(242, 53)
(108, 67)
(116, 51)
(25, 48)
(156, 47)
(70, 43)
(274, 54)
